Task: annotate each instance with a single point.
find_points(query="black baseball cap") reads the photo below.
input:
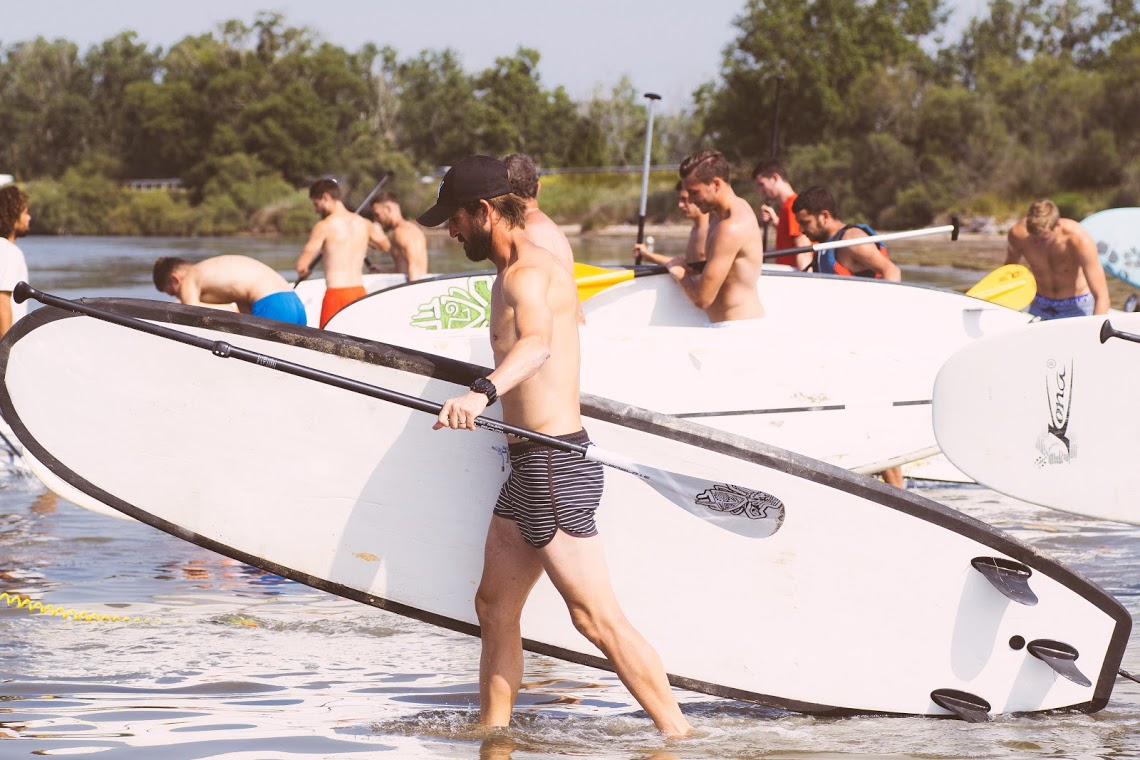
(472, 179)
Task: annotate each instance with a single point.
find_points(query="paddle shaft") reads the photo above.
(316, 259)
(220, 348)
(653, 98)
(816, 247)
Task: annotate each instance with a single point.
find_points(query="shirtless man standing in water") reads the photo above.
(534, 336)
(408, 245)
(344, 237)
(1064, 261)
(734, 250)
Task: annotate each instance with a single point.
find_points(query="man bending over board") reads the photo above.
(1064, 261)
(344, 236)
(734, 250)
(534, 336)
(220, 281)
(405, 240)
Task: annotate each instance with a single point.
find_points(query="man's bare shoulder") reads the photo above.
(1072, 228)
(408, 230)
(544, 231)
(1018, 232)
(740, 226)
(528, 274)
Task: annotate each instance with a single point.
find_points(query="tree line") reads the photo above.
(1035, 97)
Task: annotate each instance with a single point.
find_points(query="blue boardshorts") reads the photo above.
(285, 306)
(1060, 308)
(550, 489)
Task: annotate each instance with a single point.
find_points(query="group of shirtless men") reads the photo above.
(543, 520)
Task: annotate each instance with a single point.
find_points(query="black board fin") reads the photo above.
(1009, 577)
(1061, 657)
(969, 707)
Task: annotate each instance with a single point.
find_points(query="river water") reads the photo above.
(220, 660)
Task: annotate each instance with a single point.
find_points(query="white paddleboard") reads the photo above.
(841, 369)
(1117, 235)
(867, 598)
(1037, 413)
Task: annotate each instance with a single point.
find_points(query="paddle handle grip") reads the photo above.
(222, 349)
(1108, 331)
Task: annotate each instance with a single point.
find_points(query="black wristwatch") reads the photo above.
(487, 388)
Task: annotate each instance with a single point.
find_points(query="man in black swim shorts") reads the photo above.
(549, 489)
(544, 518)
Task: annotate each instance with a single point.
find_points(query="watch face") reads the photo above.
(486, 387)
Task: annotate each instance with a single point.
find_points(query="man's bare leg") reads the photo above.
(510, 569)
(577, 567)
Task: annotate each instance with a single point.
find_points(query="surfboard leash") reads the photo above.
(23, 602)
(1128, 675)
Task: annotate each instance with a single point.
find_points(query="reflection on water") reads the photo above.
(246, 665)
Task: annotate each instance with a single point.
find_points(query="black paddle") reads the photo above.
(653, 98)
(1108, 331)
(744, 511)
(321, 255)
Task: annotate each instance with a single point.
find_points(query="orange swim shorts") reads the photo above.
(337, 298)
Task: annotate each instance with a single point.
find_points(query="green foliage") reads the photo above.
(1035, 97)
(1074, 205)
(151, 212)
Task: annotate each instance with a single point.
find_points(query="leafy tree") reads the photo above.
(440, 116)
(822, 48)
(44, 96)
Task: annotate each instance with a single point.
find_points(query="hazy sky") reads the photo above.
(667, 47)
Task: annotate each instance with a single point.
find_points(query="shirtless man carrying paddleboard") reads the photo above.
(734, 249)
(1064, 261)
(534, 335)
(344, 238)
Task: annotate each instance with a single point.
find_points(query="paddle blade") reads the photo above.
(591, 286)
(745, 511)
(1012, 286)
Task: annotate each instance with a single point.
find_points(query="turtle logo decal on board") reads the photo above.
(459, 307)
(1054, 446)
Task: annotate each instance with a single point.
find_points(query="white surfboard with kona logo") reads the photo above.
(1038, 413)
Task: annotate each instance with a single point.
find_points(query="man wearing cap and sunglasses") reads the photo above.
(544, 518)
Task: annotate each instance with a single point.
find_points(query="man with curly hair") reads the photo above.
(14, 223)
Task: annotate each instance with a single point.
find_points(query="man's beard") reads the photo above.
(477, 245)
(21, 232)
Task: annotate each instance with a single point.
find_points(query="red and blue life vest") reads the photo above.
(826, 263)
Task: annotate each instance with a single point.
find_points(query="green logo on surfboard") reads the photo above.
(460, 307)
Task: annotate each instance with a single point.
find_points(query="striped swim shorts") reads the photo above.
(550, 489)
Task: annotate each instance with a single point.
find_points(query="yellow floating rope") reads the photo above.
(23, 602)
